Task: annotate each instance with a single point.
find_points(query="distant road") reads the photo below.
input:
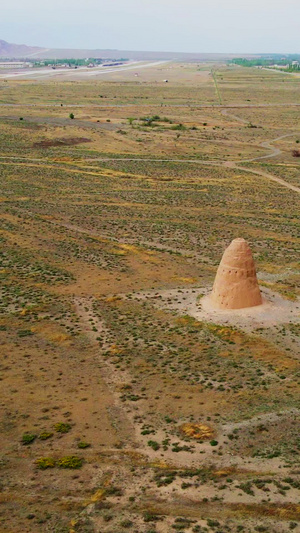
(83, 71)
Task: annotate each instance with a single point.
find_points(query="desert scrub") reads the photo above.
(154, 445)
(247, 488)
(61, 427)
(149, 516)
(45, 435)
(185, 448)
(45, 462)
(82, 444)
(126, 523)
(24, 332)
(28, 438)
(165, 478)
(70, 461)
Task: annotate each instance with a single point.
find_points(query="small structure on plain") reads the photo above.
(236, 285)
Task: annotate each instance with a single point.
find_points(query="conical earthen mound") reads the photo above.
(236, 285)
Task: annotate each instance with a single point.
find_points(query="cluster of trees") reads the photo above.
(74, 62)
(253, 62)
(291, 63)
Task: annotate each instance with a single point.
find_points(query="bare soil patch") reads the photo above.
(64, 141)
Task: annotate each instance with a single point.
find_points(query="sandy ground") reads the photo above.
(115, 380)
(196, 303)
(81, 384)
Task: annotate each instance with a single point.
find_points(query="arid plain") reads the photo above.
(121, 409)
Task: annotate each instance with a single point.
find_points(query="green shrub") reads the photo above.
(45, 435)
(70, 461)
(154, 445)
(45, 462)
(24, 332)
(179, 127)
(61, 427)
(126, 523)
(150, 517)
(83, 444)
(212, 523)
(28, 438)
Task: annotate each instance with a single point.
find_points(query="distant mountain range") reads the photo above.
(22, 51)
(8, 50)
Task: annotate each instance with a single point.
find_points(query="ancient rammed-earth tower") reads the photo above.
(236, 285)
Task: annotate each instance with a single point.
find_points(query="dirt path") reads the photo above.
(268, 144)
(235, 117)
(228, 164)
(269, 176)
(193, 106)
(213, 73)
(116, 378)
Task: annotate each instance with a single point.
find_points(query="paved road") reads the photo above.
(82, 71)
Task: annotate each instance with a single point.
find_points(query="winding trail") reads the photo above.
(266, 175)
(274, 151)
(227, 164)
(265, 144)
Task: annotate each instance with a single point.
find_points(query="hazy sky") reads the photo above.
(169, 25)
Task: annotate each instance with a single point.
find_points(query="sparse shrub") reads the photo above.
(126, 523)
(154, 445)
(212, 523)
(28, 438)
(45, 462)
(70, 461)
(24, 332)
(114, 491)
(246, 487)
(71, 115)
(151, 517)
(61, 427)
(179, 127)
(45, 435)
(82, 444)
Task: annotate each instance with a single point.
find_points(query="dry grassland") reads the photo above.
(118, 414)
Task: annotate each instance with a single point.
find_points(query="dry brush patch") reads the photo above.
(73, 227)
